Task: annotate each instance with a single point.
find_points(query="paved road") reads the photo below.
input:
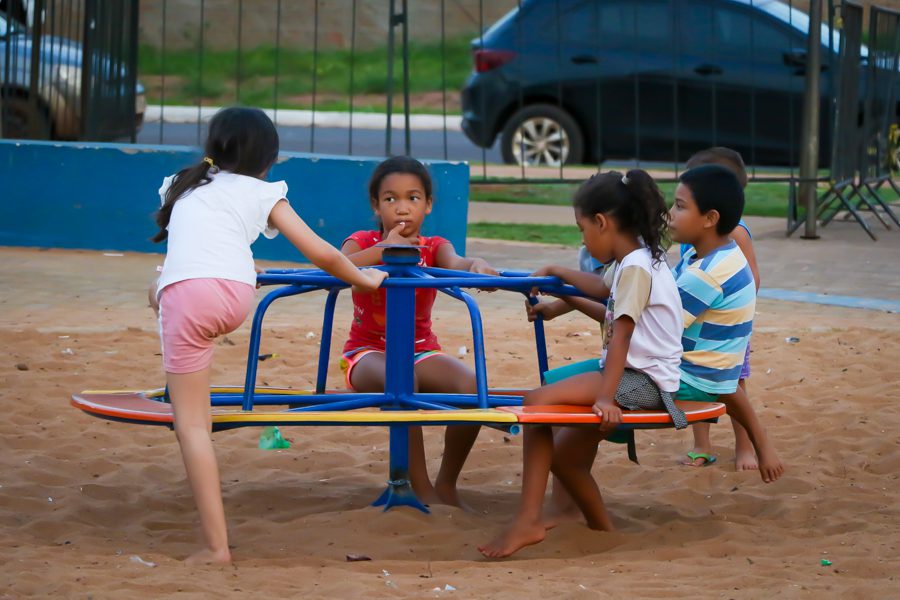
(366, 142)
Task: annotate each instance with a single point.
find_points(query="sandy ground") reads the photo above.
(81, 497)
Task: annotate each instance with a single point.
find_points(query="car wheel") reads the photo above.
(22, 121)
(542, 134)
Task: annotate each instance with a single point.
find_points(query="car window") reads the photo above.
(628, 25)
(732, 33)
(737, 34)
(571, 21)
(712, 30)
(696, 29)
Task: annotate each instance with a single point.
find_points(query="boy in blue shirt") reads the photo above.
(718, 297)
(701, 455)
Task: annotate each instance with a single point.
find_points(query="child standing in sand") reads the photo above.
(400, 196)
(211, 213)
(744, 455)
(719, 298)
(622, 218)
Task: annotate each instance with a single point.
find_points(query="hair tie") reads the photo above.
(625, 180)
(209, 161)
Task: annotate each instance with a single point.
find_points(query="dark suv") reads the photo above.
(580, 81)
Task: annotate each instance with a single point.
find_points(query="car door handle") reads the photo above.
(706, 70)
(801, 72)
(584, 59)
(794, 58)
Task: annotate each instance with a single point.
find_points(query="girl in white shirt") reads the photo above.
(211, 213)
(622, 218)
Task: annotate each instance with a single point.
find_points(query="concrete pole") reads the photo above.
(809, 147)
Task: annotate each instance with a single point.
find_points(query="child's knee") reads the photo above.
(465, 385)
(185, 430)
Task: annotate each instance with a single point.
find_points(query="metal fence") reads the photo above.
(555, 84)
(864, 154)
(530, 96)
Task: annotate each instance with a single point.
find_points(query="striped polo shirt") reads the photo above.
(718, 298)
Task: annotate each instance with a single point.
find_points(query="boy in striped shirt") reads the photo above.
(718, 297)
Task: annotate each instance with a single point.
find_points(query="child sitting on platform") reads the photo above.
(744, 455)
(718, 294)
(622, 218)
(400, 195)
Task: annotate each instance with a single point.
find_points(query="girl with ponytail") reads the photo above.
(211, 213)
(623, 219)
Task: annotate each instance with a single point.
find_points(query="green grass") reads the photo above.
(259, 66)
(762, 199)
(566, 235)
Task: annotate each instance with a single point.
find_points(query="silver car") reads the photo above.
(56, 112)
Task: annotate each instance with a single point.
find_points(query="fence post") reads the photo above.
(809, 149)
(88, 41)
(131, 80)
(405, 51)
(34, 82)
(390, 80)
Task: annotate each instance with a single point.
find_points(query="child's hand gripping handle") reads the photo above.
(609, 412)
(372, 279)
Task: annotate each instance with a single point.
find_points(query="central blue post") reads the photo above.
(399, 384)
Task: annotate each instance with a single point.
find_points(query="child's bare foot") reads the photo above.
(698, 457)
(553, 517)
(517, 536)
(745, 460)
(208, 557)
(449, 495)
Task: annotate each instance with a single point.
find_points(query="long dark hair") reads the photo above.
(634, 201)
(241, 140)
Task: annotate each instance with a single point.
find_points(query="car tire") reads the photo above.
(22, 121)
(548, 135)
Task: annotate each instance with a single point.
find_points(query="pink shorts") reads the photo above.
(193, 312)
(349, 360)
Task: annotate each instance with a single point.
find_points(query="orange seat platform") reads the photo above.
(561, 414)
(148, 407)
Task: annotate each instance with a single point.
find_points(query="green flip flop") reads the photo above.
(708, 458)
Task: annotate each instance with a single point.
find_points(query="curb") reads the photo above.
(306, 118)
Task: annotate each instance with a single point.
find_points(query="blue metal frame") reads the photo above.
(405, 276)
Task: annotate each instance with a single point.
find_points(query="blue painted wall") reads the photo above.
(103, 196)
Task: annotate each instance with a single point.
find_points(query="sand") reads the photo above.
(81, 497)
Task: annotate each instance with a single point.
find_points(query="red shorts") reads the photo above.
(193, 312)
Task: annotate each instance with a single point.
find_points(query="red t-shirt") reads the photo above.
(369, 316)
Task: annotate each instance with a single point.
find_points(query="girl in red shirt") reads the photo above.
(400, 196)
